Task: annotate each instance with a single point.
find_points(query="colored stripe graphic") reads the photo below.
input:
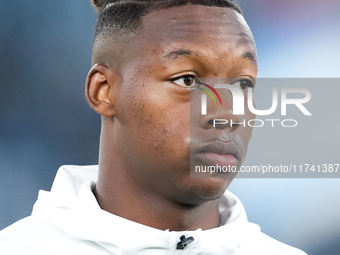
(211, 88)
(206, 91)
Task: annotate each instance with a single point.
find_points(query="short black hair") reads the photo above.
(124, 17)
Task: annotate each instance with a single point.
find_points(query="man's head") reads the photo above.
(146, 55)
(119, 20)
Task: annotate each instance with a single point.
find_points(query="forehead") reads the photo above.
(196, 26)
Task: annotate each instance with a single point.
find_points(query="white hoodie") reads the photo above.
(69, 221)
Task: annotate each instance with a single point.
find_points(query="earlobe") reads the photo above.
(99, 90)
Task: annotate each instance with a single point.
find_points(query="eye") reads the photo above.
(244, 84)
(187, 81)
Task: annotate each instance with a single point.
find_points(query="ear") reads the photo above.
(100, 90)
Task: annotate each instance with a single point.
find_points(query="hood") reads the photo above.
(71, 207)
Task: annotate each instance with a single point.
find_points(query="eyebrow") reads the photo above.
(184, 52)
(250, 56)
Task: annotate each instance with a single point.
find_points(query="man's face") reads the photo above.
(157, 137)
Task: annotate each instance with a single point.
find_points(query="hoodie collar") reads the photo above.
(71, 207)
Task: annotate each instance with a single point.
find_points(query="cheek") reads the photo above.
(243, 133)
(158, 126)
(246, 132)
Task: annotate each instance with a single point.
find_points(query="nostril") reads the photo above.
(223, 124)
(211, 122)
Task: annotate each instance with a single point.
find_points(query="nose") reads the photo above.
(219, 115)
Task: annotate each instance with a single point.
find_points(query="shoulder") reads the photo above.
(35, 236)
(272, 246)
(31, 236)
(252, 239)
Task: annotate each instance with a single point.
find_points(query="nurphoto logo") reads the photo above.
(238, 104)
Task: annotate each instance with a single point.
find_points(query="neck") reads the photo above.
(152, 210)
(118, 192)
(156, 212)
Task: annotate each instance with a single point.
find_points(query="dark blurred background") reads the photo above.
(45, 54)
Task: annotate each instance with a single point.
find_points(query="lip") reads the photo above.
(217, 153)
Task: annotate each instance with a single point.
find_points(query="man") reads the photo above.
(148, 58)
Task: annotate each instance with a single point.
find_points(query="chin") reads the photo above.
(201, 190)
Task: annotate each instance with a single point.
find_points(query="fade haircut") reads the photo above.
(124, 17)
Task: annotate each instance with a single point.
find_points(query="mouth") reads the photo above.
(217, 153)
